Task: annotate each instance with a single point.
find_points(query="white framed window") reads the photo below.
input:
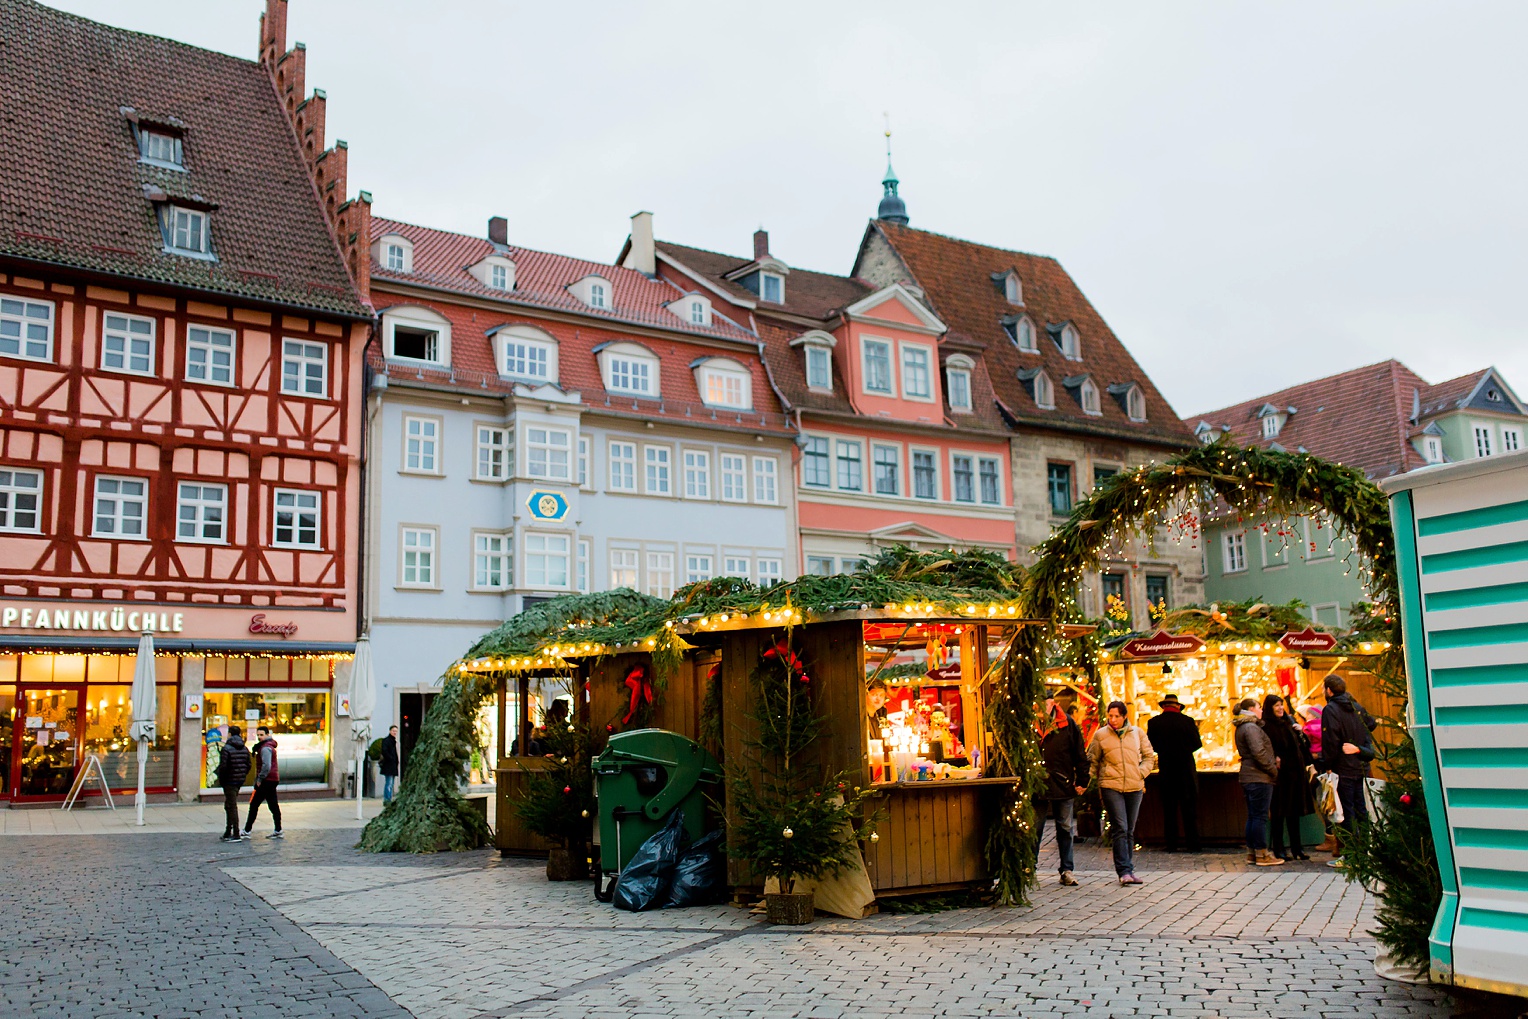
(772, 287)
(962, 478)
(697, 567)
(304, 368)
(1275, 550)
(1233, 552)
(1022, 332)
(210, 354)
(1432, 449)
(623, 567)
(656, 460)
(1135, 404)
(726, 387)
(660, 574)
(1088, 394)
(297, 519)
(548, 454)
(421, 445)
(1320, 539)
(546, 560)
(582, 580)
(200, 512)
(160, 148)
(1271, 423)
(186, 231)
(819, 565)
(1483, 440)
(960, 388)
(1045, 392)
(495, 453)
(529, 359)
(886, 469)
(877, 365)
(127, 343)
(396, 257)
(734, 472)
(851, 468)
(819, 368)
(498, 276)
(737, 566)
(816, 465)
(917, 382)
(417, 557)
(989, 474)
(769, 571)
(1511, 440)
(1013, 289)
(599, 295)
(26, 328)
(623, 466)
(630, 369)
(583, 461)
(697, 474)
(925, 474)
(121, 507)
(492, 562)
(20, 500)
(765, 471)
(1071, 343)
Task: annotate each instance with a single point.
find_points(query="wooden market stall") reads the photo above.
(902, 695)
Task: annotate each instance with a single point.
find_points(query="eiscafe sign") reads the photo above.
(90, 619)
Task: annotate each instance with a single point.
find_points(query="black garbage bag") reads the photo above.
(644, 884)
(700, 877)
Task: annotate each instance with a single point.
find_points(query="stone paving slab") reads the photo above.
(178, 818)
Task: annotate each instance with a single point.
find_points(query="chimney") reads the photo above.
(643, 256)
(760, 244)
(498, 230)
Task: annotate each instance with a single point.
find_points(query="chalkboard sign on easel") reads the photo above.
(92, 763)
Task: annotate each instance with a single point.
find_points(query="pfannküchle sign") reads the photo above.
(89, 619)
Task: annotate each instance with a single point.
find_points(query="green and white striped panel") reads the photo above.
(1472, 559)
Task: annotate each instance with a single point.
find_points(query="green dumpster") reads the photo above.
(639, 778)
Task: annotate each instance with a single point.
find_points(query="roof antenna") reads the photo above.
(892, 208)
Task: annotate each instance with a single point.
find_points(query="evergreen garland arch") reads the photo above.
(1395, 856)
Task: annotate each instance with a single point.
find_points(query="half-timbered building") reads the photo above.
(181, 350)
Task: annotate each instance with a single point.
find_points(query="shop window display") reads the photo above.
(298, 720)
(923, 707)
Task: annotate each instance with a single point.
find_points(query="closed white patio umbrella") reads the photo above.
(363, 702)
(145, 705)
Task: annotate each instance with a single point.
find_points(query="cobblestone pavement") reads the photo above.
(177, 925)
(158, 819)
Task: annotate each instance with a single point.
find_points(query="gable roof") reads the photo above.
(74, 193)
(818, 295)
(1459, 393)
(960, 281)
(1360, 418)
(441, 259)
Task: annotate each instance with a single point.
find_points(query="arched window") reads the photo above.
(1088, 395)
(525, 352)
(724, 382)
(1045, 393)
(1071, 345)
(629, 368)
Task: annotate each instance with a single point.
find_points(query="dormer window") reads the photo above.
(628, 368)
(1271, 425)
(495, 272)
(1131, 398)
(692, 308)
(525, 352)
(595, 291)
(1039, 385)
(395, 257)
(1022, 332)
(599, 295)
(724, 383)
(394, 253)
(1013, 289)
(416, 334)
(817, 348)
(1070, 343)
(1432, 449)
(159, 147)
(186, 231)
(772, 287)
(957, 376)
(498, 277)
(1087, 395)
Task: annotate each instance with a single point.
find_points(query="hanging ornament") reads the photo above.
(787, 833)
(1406, 799)
(586, 813)
(567, 790)
(875, 836)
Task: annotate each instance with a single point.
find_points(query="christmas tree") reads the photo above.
(793, 819)
(558, 803)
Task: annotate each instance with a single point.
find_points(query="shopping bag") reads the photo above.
(1329, 802)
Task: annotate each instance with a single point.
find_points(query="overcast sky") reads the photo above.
(1252, 195)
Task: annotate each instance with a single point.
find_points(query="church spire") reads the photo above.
(892, 208)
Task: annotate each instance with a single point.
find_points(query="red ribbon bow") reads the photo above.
(641, 689)
(782, 651)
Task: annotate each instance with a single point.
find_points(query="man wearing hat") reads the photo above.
(1175, 737)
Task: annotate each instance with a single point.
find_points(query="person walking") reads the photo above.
(1120, 757)
(267, 775)
(1347, 747)
(1291, 789)
(232, 768)
(389, 766)
(1258, 773)
(1066, 769)
(1175, 737)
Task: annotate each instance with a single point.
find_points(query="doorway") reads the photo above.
(411, 709)
(49, 741)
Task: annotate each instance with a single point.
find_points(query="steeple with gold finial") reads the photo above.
(892, 208)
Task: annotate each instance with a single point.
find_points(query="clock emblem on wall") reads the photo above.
(547, 505)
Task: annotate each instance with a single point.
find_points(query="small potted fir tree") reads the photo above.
(792, 819)
(559, 800)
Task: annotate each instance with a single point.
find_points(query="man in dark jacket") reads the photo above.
(233, 766)
(267, 775)
(1175, 737)
(389, 764)
(1346, 748)
(1066, 770)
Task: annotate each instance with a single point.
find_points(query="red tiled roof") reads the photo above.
(441, 259)
(818, 295)
(1449, 395)
(73, 190)
(956, 277)
(1360, 418)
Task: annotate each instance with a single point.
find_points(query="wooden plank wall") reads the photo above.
(677, 706)
(510, 834)
(931, 838)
